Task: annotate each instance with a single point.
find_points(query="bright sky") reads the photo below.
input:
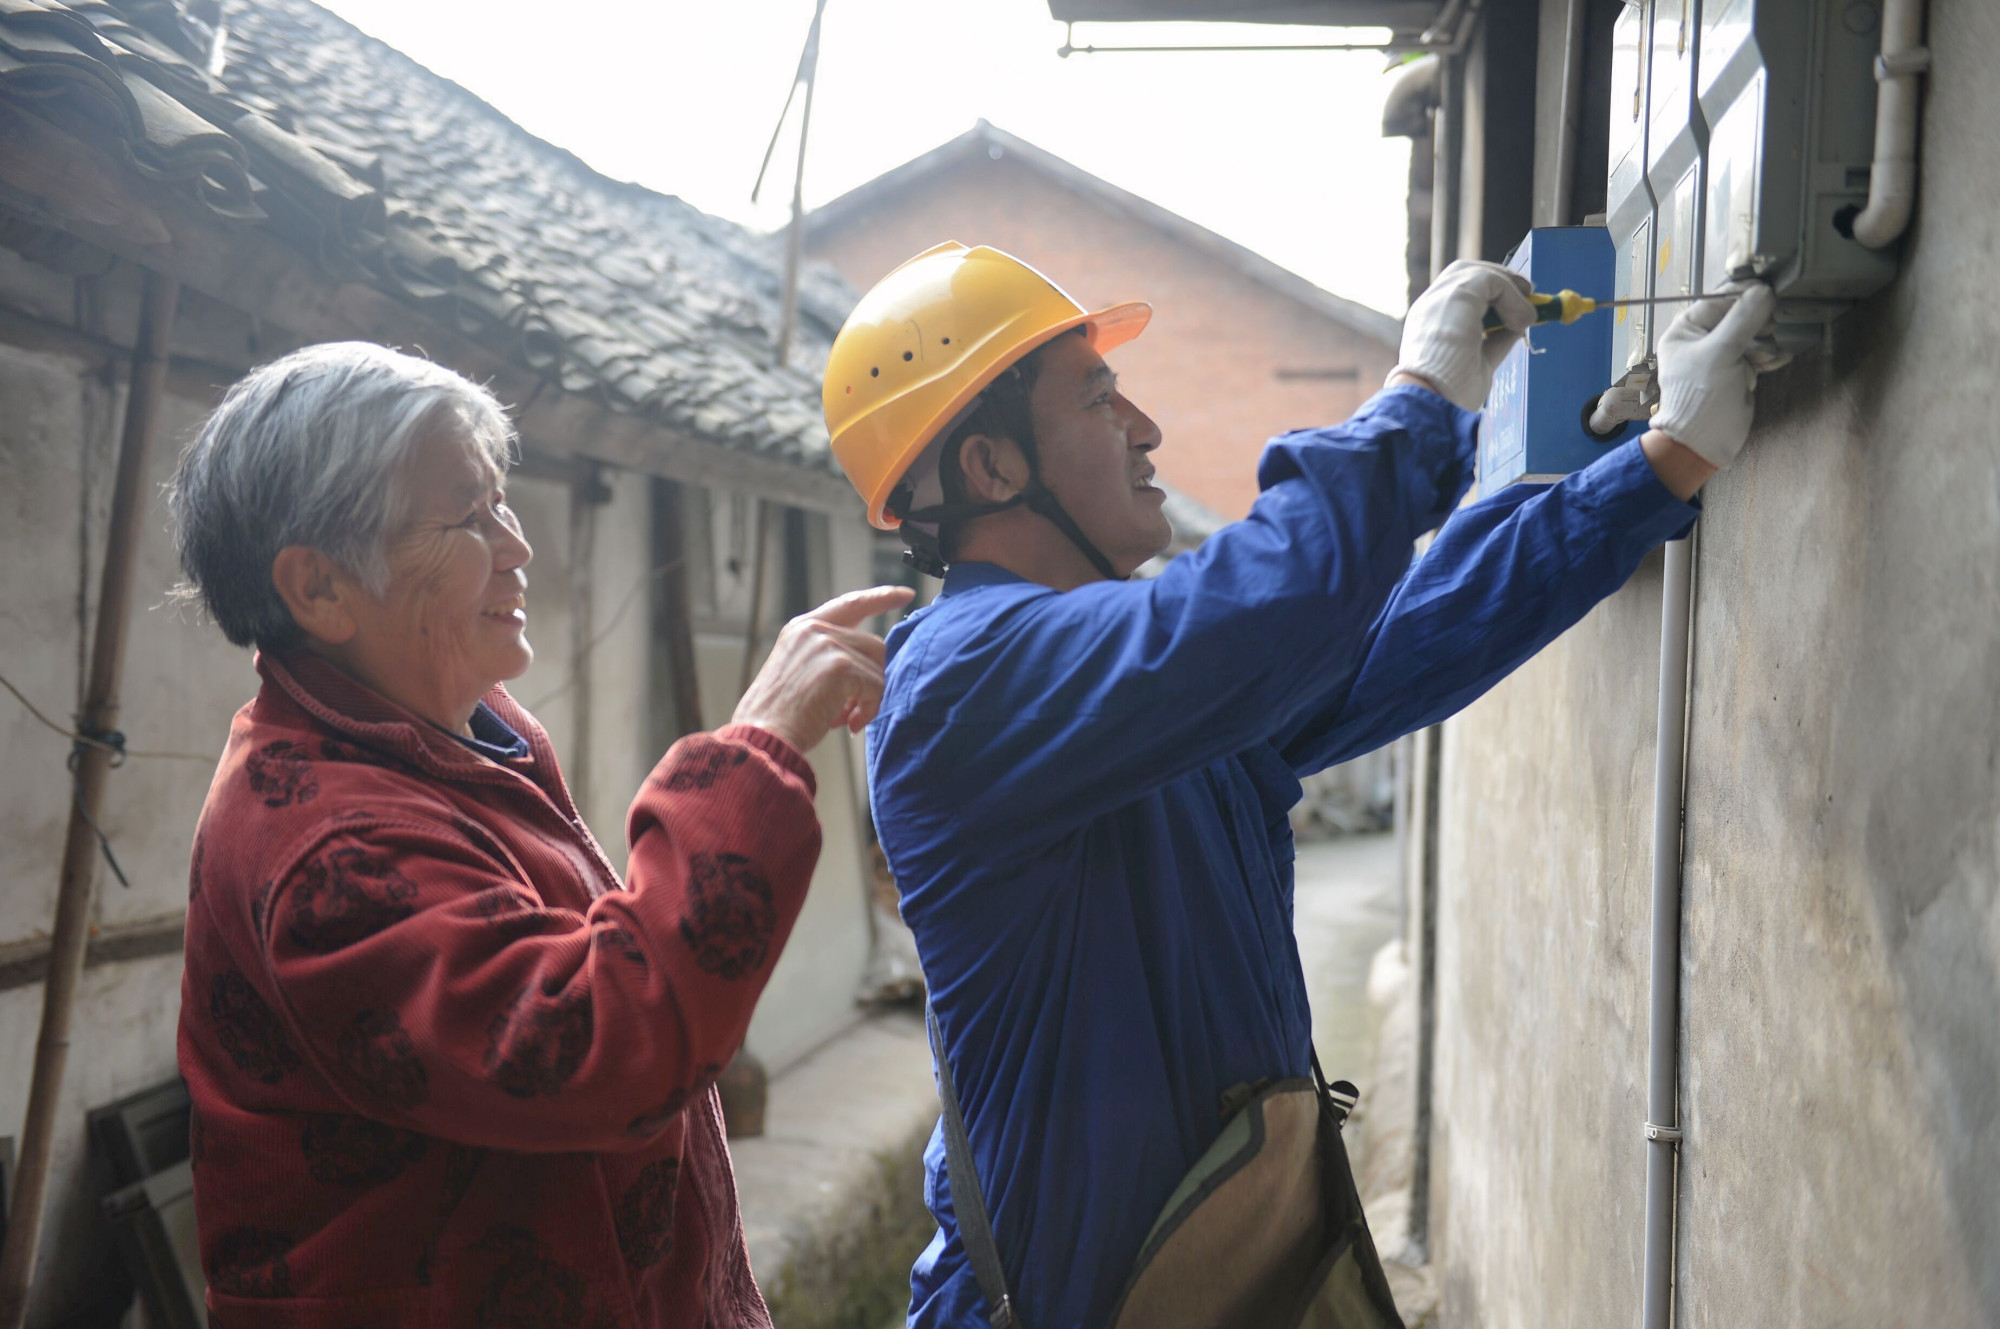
(1280, 152)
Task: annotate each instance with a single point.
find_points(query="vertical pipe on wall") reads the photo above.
(1663, 1039)
(1427, 793)
(92, 763)
(1569, 117)
(1444, 173)
(1892, 180)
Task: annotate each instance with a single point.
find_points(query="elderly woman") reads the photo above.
(446, 1067)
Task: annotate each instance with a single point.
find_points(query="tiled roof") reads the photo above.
(380, 171)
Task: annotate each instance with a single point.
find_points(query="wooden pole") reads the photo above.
(583, 504)
(92, 762)
(674, 607)
(758, 568)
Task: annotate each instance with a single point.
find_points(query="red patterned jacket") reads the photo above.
(448, 1070)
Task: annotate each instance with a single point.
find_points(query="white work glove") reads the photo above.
(1707, 379)
(1617, 406)
(1445, 340)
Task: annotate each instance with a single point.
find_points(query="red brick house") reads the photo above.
(1239, 348)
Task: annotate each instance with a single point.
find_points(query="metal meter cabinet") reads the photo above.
(1675, 139)
(1534, 426)
(1788, 89)
(1629, 207)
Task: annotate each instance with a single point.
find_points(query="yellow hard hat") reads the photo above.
(928, 339)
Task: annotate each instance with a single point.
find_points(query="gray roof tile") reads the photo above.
(378, 170)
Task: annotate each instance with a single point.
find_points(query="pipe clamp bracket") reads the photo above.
(1663, 1134)
(1916, 60)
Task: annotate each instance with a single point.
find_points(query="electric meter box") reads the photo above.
(1788, 90)
(1675, 136)
(1741, 136)
(1534, 426)
(1630, 212)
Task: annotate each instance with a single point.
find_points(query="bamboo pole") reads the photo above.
(92, 763)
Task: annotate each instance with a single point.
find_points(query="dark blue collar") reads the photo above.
(966, 576)
(492, 737)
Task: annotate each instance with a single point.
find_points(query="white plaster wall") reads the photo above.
(183, 682)
(620, 662)
(543, 507)
(125, 1019)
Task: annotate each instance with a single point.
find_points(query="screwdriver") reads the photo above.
(1568, 307)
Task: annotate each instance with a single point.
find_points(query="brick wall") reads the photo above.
(1208, 368)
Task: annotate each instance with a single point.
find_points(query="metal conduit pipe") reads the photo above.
(1892, 180)
(1569, 115)
(1663, 1038)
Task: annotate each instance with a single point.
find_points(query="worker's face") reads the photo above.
(1094, 447)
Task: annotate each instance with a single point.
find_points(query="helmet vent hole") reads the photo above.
(947, 341)
(875, 373)
(909, 355)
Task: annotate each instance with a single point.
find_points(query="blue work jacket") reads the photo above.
(1083, 799)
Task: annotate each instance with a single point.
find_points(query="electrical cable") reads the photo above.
(112, 742)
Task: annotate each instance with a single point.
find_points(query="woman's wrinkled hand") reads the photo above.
(824, 670)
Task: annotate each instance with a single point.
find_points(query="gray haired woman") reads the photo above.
(447, 1068)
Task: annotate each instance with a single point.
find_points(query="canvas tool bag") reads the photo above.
(1264, 1232)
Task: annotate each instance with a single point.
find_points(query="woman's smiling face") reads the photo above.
(452, 621)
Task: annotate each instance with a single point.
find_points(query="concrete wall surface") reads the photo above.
(1840, 1053)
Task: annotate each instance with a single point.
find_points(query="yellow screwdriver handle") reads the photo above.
(1562, 307)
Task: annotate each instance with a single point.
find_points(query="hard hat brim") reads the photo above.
(1105, 328)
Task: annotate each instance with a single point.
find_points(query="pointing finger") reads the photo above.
(857, 607)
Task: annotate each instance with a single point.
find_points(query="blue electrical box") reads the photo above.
(1534, 428)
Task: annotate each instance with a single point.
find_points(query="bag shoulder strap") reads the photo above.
(1338, 1098)
(967, 1199)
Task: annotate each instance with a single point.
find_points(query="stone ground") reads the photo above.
(1348, 906)
(831, 1194)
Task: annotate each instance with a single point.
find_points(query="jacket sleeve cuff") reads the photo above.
(1622, 488)
(787, 757)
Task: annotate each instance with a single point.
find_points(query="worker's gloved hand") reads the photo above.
(1444, 335)
(1618, 406)
(1706, 376)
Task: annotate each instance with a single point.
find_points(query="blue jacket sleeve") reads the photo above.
(1047, 709)
(1506, 576)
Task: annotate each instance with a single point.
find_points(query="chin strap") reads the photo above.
(926, 555)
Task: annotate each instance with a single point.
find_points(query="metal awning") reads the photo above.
(1401, 15)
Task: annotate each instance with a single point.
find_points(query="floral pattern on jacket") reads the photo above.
(447, 1069)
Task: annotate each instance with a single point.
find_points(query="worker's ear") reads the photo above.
(994, 468)
(319, 595)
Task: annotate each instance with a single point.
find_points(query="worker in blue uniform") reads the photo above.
(1081, 782)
